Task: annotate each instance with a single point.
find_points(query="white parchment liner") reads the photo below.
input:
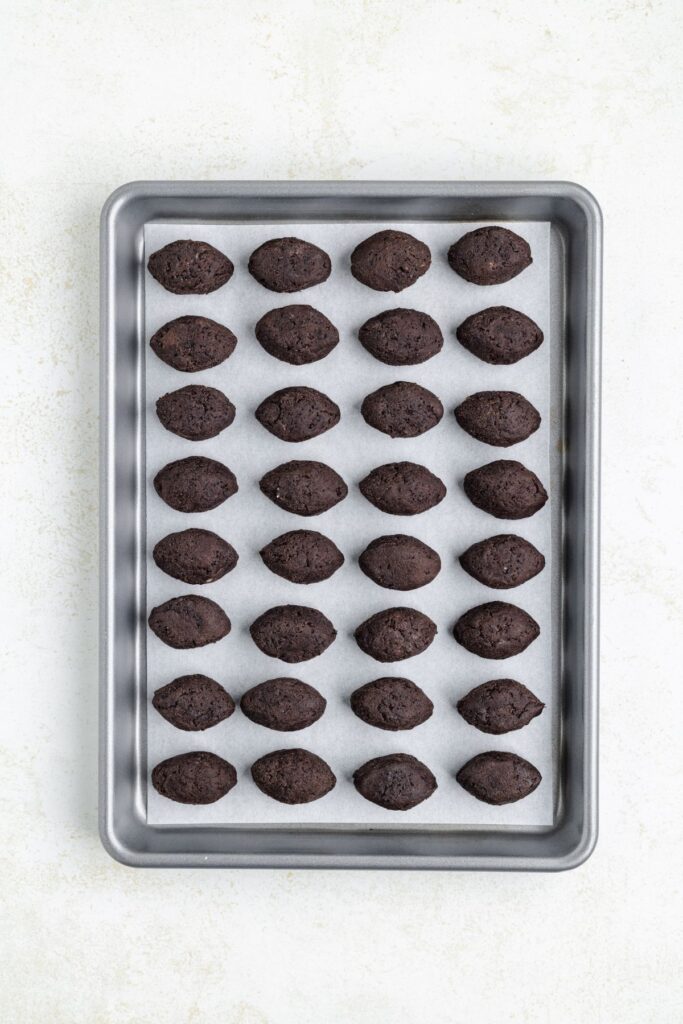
(249, 521)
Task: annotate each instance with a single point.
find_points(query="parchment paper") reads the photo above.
(249, 521)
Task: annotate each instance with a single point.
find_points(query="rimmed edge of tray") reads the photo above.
(124, 832)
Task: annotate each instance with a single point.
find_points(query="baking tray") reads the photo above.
(575, 224)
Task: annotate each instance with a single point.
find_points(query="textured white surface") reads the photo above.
(97, 93)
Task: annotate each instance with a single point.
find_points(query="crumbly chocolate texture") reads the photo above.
(293, 776)
(503, 561)
(187, 267)
(402, 488)
(195, 556)
(195, 412)
(498, 777)
(392, 703)
(193, 703)
(390, 261)
(296, 334)
(499, 335)
(401, 337)
(302, 556)
(500, 418)
(292, 633)
(395, 634)
(396, 782)
(289, 265)
(193, 343)
(400, 562)
(489, 255)
(402, 409)
(496, 630)
(298, 413)
(189, 621)
(505, 489)
(500, 706)
(195, 484)
(285, 705)
(196, 778)
(304, 488)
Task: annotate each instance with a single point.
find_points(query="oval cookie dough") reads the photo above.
(392, 703)
(395, 634)
(402, 488)
(302, 556)
(292, 633)
(195, 412)
(490, 255)
(499, 335)
(496, 630)
(401, 337)
(390, 261)
(498, 777)
(196, 778)
(285, 705)
(500, 418)
(189, 621)
(289, 265)
(400, 562)
(193, 703)
(503, 561)
(298, 413)
(304, 488)
(402, 409)
(293, 776)
(187, 267)
(500, 706)
(193, 343)
(195, 484)
(505, 489)
(195, 556)
(395, 781)
(296, 334)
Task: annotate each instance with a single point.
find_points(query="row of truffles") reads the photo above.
(294, 775)
(294, 633)
(300, 334)
(388, 261)
(194, 703)
(395, 561)
(505, 488)
(400, 410)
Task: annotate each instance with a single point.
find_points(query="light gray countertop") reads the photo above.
(95, 94)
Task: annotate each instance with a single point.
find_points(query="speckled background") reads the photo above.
(97, 93)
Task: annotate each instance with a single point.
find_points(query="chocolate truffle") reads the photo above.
(195, 556)
(289, 265)
(297, 414)
(390, 261)
(193, 703)
(496, 630)
(391, 703)
(293, 776)
(489, 255)
(401, 337)
(190, 268)
(193, 343)
(296, 334)
(505, 489)
(195, 412)
(498, 777)
(402, 409)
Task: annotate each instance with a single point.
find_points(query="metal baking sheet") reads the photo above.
(510, 840)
